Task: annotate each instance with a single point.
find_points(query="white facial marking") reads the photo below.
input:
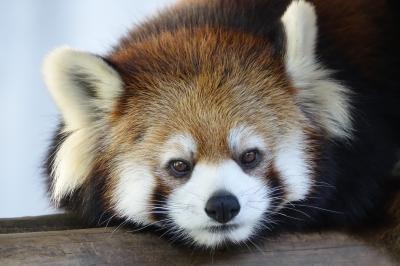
(244, 137)
(187, 203)
(322, 96)
(133, 192)
(291, 162)
(181, 145)
(73, 163)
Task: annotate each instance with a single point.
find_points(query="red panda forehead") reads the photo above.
(199, 145)
(209, 114)
(205, 82)
(204, 134)
(182, 55)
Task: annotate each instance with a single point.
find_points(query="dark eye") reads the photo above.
(250, 159)
(180, 168)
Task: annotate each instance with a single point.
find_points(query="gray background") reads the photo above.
(29, 30)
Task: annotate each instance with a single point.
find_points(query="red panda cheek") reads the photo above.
(133, 188)
(158, 200)
(293, 162)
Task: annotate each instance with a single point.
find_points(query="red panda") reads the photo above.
(221, 121)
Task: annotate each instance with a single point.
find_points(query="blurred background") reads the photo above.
(29, 30)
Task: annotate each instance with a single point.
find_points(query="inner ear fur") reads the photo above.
(82, 85)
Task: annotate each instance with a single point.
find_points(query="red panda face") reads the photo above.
(204, 132)
(207, 149)
(169, 178)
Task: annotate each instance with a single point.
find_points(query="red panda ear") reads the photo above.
(84, 88)
(82, 84)
(322, 97)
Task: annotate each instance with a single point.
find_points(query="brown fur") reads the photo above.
(367, 26)
(208, 84)
(202, 72)
(362, 25)
(191, 80)
(206, 80)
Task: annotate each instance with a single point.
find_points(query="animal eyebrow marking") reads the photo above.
(243, 137)
(178, 145)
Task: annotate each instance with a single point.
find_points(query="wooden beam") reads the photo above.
(52, 222)
(112, 246)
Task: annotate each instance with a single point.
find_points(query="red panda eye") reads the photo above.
(180, 168)
(250, 159)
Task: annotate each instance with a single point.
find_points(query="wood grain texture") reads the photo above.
(54, 222)
(107, 246)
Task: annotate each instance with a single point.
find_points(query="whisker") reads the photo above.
(287, 216)
(318, 208)
(121, 224)
(301, 212)
(257, 247)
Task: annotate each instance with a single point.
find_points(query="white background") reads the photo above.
(29, 30)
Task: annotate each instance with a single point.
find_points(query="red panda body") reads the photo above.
(222, 121)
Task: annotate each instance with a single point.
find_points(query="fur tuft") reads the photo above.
(84, 88)
(323, 98)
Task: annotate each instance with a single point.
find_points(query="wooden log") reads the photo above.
(52, 222)
(112, 246)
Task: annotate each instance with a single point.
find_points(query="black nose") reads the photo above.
(222, 207)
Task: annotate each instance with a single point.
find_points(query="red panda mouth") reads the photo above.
(225, 228)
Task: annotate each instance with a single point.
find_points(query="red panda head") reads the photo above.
(204, 131)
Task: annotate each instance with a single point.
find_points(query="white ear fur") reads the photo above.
(324, 98)
(81, 85)
(73, 162)
(84, 88)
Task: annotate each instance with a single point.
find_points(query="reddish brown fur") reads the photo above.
(216, 76)
(358, 30)
(206, 81)
(192, 71)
